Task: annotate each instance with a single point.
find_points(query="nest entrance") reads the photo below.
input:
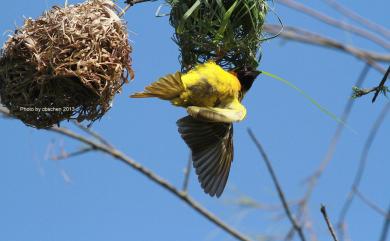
(67, 64)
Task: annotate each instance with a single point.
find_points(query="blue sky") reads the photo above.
(106, 200)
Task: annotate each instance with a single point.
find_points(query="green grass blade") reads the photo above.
(187, 14)
(313, 101)
(226, 19)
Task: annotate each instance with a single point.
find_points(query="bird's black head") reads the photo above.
(246, 76)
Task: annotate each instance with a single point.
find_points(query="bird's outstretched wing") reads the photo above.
(212, 151)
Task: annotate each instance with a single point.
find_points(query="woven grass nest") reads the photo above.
(67, 64)
(226, 31)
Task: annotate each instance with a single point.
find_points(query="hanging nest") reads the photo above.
(67, 64)
(226, 31)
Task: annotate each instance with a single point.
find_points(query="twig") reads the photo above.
(358, 92)
(362, 163)
(304, 36)
(153, 177)
(73, 154)
(290, 234)
(346, 236)
(131, 3)
(386, 226)
(371, 204)
(296, 226)
(328, 223)
(92, 133)
(187, 173)
(358, 18)
(381, 84)
(247, 202)
(307, 223)
(334, 22)
(308, 37)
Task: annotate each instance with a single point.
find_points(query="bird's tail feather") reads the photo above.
(167, 88)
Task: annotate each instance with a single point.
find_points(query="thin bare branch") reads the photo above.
(328, 223)
(386, 227)
(379, 29)
(371, 204)
(92, 133)
(290, 234)
(362, 163)
(282, 197)
(66, 155)
(248, 202)
(187, 173)
(358, 92)
(381, 84)
(304, 36)
(336, 23)
(154, 178)
(131, 3)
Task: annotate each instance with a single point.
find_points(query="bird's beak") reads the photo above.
(254, 73)
(257, 72)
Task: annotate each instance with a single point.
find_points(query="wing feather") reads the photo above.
(212, 151)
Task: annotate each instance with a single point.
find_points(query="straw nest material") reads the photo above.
(226, 31)
(67, 64)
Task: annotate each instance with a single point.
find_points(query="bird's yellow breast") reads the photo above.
(208, 85)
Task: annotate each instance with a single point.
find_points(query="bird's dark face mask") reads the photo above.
(246, 76)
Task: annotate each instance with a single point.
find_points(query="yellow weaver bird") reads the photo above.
(212, 97)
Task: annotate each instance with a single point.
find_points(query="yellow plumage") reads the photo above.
(207, 91)
(215, 81)
(212, 97)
